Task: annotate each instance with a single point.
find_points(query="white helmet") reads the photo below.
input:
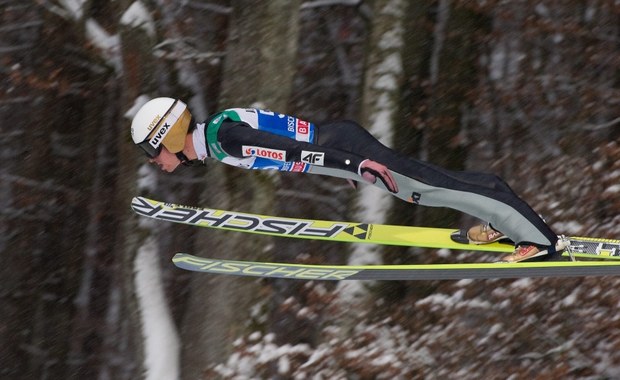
(161, 121)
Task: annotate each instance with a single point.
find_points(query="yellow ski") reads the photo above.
(337, 231)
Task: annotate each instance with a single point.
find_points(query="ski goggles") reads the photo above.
(152, 145)
(151, 151)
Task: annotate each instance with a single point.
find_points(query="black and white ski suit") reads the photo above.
(258, 139)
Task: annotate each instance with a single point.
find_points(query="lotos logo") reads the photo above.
(256, 151)
(156, 140)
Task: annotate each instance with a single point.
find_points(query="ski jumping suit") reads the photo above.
(258, 139)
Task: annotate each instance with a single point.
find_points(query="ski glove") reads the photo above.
(371, 170)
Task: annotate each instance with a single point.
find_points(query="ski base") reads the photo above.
(397, 272)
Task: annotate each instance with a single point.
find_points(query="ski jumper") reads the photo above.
(258, 139)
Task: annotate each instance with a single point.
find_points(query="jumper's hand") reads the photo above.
(371, 170)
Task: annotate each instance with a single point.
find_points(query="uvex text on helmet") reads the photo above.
(161, 122)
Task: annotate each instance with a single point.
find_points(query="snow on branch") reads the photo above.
(328, 3)
(215, 8)
(597, 127)
(179, 49)
(108, 44)
(74, 7)
(67, 9)
(138, 16)
(21, 25)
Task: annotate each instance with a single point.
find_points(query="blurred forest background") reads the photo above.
(527, 89)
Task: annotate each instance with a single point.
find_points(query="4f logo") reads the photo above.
(313, 158)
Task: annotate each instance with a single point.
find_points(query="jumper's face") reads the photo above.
(166, 160)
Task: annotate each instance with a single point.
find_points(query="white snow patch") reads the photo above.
(495, 329)
(383, 116)
(74, 8)
(571, 298)
(392, 39)
(100, 37)
(138, 16)
(383, 360)
(108, 44)
(386, 345)
(161, 341)
(394, 8)
(496, 66)
(385, 82)
(316, 356)
(590, 13)
(392, 64)
(541, 10)
(571, 227)
(613, 189)
(351, 291)
(372, 205)
(255, 336)
(522, 283)
(284, 365)
(269, 338)
(442, 299)
(147, 177)
(243, 365)
(137, 104)
(365, 255)
(505, 304)
(444, 253)
(598, 165)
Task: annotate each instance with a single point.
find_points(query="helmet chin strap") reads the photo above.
(186, 161)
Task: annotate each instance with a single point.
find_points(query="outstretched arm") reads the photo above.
(234, 137)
